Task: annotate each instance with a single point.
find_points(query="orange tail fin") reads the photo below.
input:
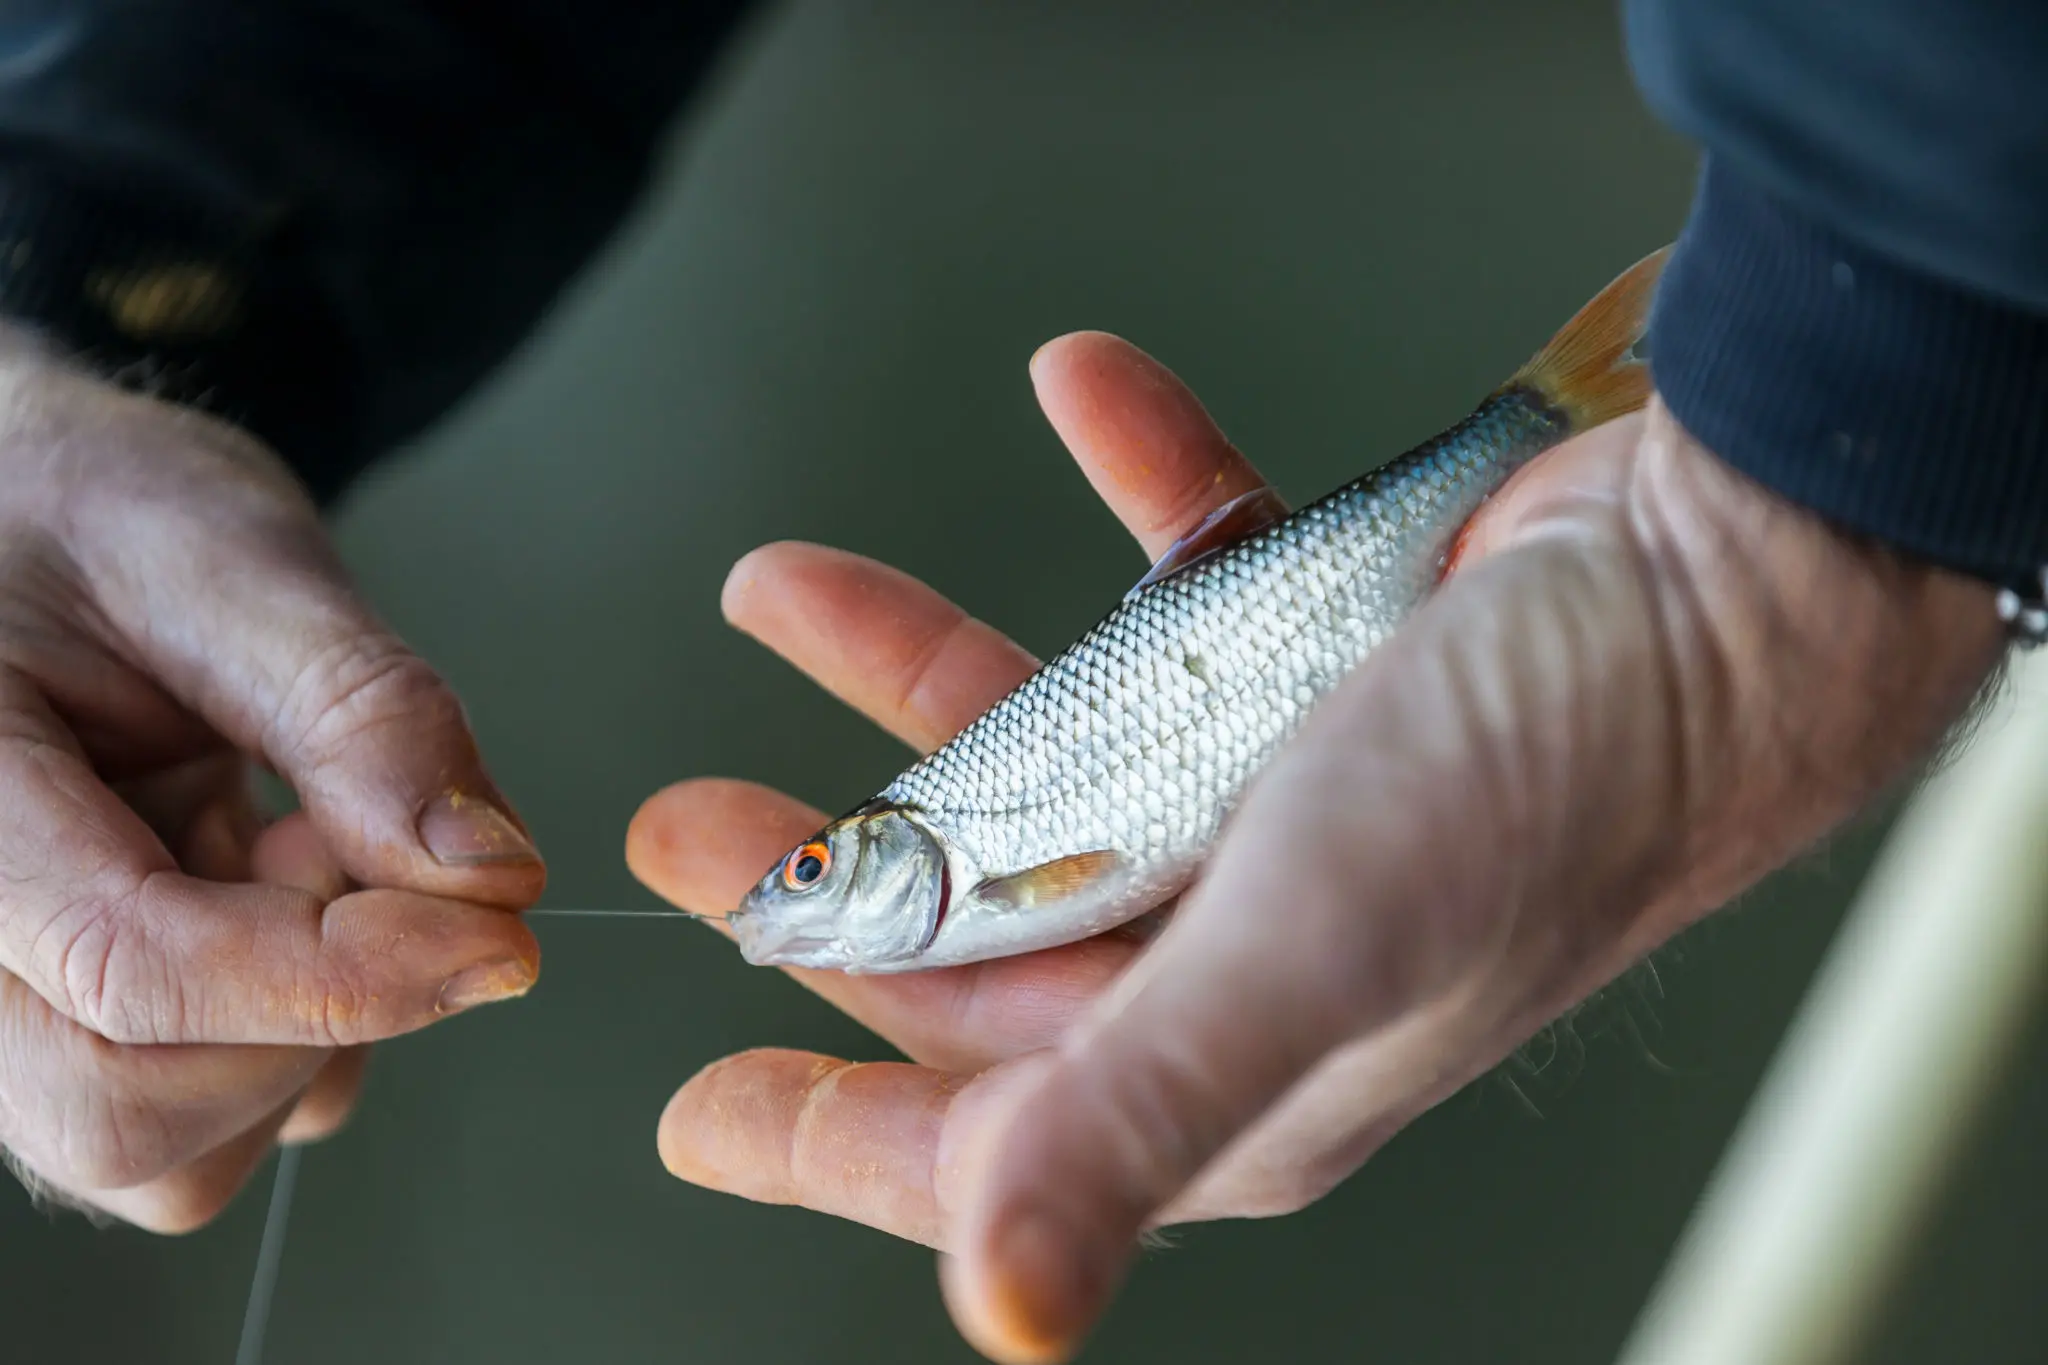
(1590, 371)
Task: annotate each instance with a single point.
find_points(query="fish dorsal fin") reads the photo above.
(1242, 517)
(1061, 879)
(1595, 369)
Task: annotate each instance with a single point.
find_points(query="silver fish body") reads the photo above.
(1091, 793)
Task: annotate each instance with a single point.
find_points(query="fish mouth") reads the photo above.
(763, 943)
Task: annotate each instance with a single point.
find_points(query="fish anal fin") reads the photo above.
(1061, 879)
(1242, 517)
(1593, 370)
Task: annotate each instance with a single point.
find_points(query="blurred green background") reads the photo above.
(1341, 223)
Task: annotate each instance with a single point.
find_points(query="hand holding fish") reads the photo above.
(1646, 685)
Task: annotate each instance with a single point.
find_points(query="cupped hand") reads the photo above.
(181, 987)
(1647, 684)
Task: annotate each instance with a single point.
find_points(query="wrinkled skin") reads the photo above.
(182, 987)
(1648, 684)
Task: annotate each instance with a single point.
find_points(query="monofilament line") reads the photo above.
(621, 914)
(269, 1256)
(270, 1250)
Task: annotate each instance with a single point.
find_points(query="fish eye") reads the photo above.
(806, 867)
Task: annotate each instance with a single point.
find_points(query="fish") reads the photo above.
(1089, 796)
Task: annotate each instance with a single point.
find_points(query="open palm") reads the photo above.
(1647, 685)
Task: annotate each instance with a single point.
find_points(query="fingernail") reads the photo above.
(1044, 1288)
(482, 985)
(468, 831)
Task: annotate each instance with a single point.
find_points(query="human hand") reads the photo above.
(1647, 685)
(179, 986)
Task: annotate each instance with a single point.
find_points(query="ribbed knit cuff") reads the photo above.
(1885, 400)
(193, 309)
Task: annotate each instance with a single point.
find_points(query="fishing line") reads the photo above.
(270, 1250)
(269, 1256)
(622, 914)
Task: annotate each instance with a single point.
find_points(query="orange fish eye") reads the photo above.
(806, 867)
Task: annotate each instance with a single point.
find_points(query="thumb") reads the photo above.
(1377, 872)
(287, 661)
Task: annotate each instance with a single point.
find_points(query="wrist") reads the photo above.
(1814, 669)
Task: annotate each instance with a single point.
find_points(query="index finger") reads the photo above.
(98, 919)
(1142, 438)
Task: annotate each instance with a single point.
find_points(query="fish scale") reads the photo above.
(1094, 790)
(1085, 752)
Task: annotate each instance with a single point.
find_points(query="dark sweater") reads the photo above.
(330, 221)
(1857, 315)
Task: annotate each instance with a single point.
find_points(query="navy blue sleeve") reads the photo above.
(1857, 312)
(323, 220)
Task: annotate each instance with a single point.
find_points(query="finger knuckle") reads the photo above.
(1160, 1122)
(354, 688)
(79, 945)
(337, 1007)
(95, 960)
(923, 669)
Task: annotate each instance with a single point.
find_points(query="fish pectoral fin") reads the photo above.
(1061, 879)
(1242, 517)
